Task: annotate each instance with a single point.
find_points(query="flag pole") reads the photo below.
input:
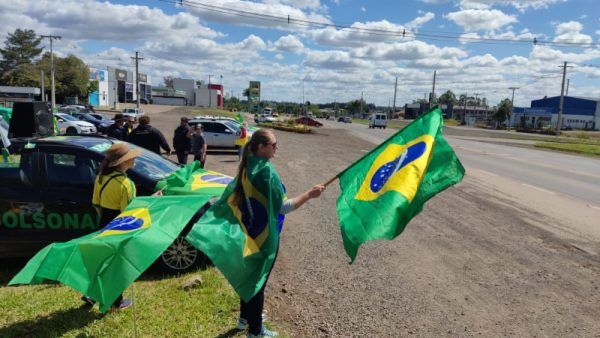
(331, 180)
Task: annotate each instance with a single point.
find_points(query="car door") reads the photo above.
(21, 202)
(68, 184)
(209, 133)
(226, 136)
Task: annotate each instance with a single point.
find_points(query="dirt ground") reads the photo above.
(472, 263)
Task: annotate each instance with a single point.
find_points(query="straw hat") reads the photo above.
(119, 153)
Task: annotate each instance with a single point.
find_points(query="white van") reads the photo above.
(378, 120)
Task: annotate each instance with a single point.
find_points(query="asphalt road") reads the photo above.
(574, 176)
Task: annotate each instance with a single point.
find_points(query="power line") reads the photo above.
(404, 33)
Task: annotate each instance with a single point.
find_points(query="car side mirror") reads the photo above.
(228, 131)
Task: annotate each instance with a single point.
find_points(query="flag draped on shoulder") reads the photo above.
(384, 190)
(241, 235)
(193, 180)
(103, 264)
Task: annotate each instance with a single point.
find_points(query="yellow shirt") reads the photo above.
(114, 192)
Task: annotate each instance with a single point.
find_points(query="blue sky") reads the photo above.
(468, 43)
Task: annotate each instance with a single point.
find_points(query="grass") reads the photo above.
(586, 149)
(163, 309)
(211, 111)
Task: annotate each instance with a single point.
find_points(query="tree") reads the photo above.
(246, 93)
(168, 81)
(92, 87)
(448, 98)
(20, 50)
(503, 111)
(71, 77)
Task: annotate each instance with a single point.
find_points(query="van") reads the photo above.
(378, 120)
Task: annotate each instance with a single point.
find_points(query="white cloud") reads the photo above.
(412, 50)
(288, 43)
(363, 9)
(279, 57)
(359, 34)
(518, 4)
(419, 21)
(570, 32)
(480, 19)
(312, 4)
(272, 14)
(333, 59)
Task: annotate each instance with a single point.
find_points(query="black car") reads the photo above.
(100, 124)
(46, 190)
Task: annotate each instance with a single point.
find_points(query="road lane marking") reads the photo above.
(539, 189)
(594, 207)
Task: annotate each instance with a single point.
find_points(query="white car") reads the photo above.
(132, 112)
(219, 133)
(264, 118)
(69, 125)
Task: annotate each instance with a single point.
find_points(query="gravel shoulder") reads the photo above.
(474, 262)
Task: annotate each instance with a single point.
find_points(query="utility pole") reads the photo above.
(395, 91)
(512, 101)
(52, 94)
(465, 108)
(209, 96)
(361, 105)
(433, 89)
(562, 98)
(137, 59)
(567, 91)
(42, 85)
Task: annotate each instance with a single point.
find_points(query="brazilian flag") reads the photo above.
(239, 117)
(103, 264)
(386, 188)
(242, 238)
(191, 179)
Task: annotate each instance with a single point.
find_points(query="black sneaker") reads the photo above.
(125, 303)
(88, 300)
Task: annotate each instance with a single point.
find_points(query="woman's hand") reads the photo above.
(158, 193)
(316, 191)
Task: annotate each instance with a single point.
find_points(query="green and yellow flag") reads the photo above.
(242, 238)
(193, 180)
(386, 188)
(239, 117)
(103, 264)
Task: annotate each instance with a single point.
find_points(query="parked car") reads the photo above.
(46, 195)
(219, 133)
(69, 125)
(87, 116)
(132, 112)
(309, 121)
(345, 119)
(378, 120)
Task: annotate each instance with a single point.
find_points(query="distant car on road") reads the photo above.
(345, 119)
(378, 120)
(136, 113)
(260, 118)
(69, 125)
(309, 121)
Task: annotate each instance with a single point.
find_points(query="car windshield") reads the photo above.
(232, 125)
(148, 164)
(67, 117)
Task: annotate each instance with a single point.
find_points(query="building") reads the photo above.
(169, 96)
(121, 84)
(188, 86)
(99, 98)
(199, 94)
(414, 110)
(18, 94)
(578, 113)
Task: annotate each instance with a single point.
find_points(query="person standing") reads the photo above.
(117, 129)
(129, 125)
(262, 146)
(199, 146)
(242, 139)
(181, 141)
(148, 137)
(113, 191)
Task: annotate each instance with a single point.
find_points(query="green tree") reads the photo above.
(168, 81)
(20, 50)
(246, 92)
(71, 77)
(503, 111)
(448, 98)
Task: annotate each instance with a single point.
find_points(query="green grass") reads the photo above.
(211, 111)
(163, 309)
(586, 149)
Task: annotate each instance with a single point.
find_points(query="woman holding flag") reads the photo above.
(241, 141)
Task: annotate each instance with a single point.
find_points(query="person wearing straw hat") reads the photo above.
(113, 191)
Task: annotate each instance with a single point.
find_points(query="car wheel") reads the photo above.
(180, 257)
(71, 131)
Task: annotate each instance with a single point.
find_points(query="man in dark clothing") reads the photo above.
(148, 137)
(181, 142)
(117, 129)
(199, 145)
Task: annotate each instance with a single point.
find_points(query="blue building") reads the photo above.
(578, 113)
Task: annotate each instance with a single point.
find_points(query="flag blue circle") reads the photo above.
(256, 222)
(125, 223)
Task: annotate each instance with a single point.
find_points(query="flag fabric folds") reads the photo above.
(242, 238)
(103, 264)
(386, 188)
(194, 180)
(239, 117)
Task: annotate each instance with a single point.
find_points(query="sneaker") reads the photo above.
(125, 303)
(263, 333)
(88, 300)
(242, 323)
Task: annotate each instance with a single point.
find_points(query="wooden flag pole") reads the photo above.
(331, 180)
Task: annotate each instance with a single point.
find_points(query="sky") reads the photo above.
(335, 50)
